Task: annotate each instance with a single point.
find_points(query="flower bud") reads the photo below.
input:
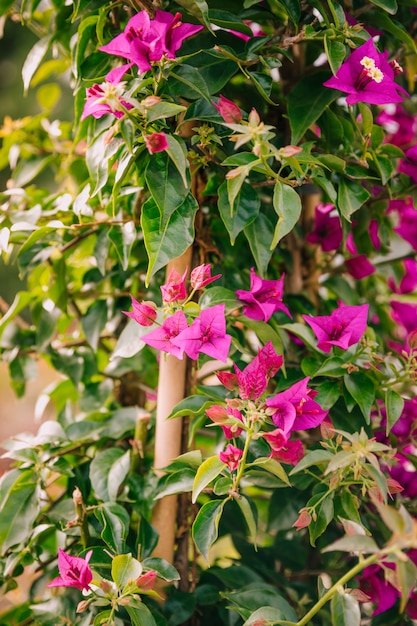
(146, 581)
(303, 520)
(150, 101)
(290, 151)
(82, 606)
(229, 111)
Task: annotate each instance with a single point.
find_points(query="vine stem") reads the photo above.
(333, 589)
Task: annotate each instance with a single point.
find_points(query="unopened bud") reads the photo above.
(396, 67)
(150, 101)
(146, 581)
(106, 586)
(254, 119)
(77, 497)
(82, 606)
(304, 520)
(290, 151)
(124, 601)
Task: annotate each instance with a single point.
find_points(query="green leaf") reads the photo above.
(307, 101)
(208, 470)
(162, 110)
(123, 236)
(381, 20)
(124, 568)
(353, 543)
(367, 118)
(390, 6)
(102, 617)
(219, 295)
(345, 609)
(94, 321)
(130, 342)
(166, 183)
(260, 594)
(362, 391)
(177, 482)
(115, 521)
(245, 209)
(33, 60)
(394, 405)
(175, 237)
(293, 9)
(312, 457)
(206, 525)
(406, 577)
(177, 152)
(335, 51)
(19, 510)
(191, 406)
(108, 471)
(247, 512)
(165, 570)
(229, 21)
(265, 615)
(260, 234)
(350, 197)
(263, 84)
(199, 9)
(287, 205)
(324, 512)
(188, 83)
(272, 466)
(139, 614)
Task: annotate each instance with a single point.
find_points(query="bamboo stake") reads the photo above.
(171, 387)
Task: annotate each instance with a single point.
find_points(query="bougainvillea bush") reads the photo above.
(217, 247)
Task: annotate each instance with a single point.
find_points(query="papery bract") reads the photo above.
(282, 449)
(156, 142)
(174, 289)
(327, 231)
(367, 76)
(201, 276)
(221, 415)
(380, 592)
(295, 409)
(359, 266)
(264, 297)
(162, 338)
(407, 227)
(400, 126)
(343, 327)
(409, 164)
(74, 571)
(146, 581)
(105, 99)
(147, 40)
(143, 313)
(231, 456)
(206, 334)
(252, 381)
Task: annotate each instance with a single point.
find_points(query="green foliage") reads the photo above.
(224, 146)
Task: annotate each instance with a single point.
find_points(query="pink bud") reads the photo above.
(201, 276)
(303, 519)
(146, 581)
(254, 119)
(290, 151)
(150, 101)
(157, 142)
(229, 111)
(217, 414)
(144, 313)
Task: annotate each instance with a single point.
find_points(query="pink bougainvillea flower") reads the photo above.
(201, 276)
(229, 111)
(221, 415)
(253, 380)
(405, 315)
(327, 231)
(231, 456)
(174, 289)
(408, 282)
(359, 266)
(282, 449)
(343, 327)
(162, 338)
(400, 126)
(295, 409)
(105, 99)
(156, 142)
(367, 76)
(379, 591)
(147, 40)
(206, 334)
(74, 571)
(264, 297)
(409, 164)
(143, 313)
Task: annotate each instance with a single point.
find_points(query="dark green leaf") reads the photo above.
(108, 471)
(94, 321)
(390, 6)
(165, 570)
(259, 234)
(394, 405)
(307, 101)
(245, 208)
(173, 240)
(166, 183)
(287, 205)
(335, 51)
(362, 391)
(199, 9)
(188, 83)
(115, 520)
(139, 614)
(350, 197)
(345, 609)
(206, 525)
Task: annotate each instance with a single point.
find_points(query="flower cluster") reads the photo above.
(207, 332)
